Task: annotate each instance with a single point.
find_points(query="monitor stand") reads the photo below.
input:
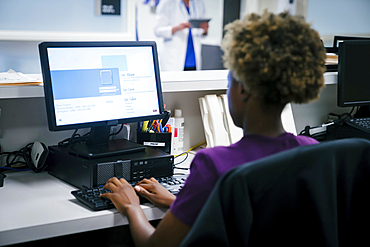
(98, 145)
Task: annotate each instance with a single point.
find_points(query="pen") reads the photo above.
(152, 124)
(161, 128)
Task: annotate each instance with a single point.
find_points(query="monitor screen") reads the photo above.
(354, 73)
(100, 84)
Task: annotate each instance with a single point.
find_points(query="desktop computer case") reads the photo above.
(86, 173)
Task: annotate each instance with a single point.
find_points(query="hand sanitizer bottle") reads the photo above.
(178, 133)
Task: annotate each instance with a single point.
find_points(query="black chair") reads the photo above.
(314, 195)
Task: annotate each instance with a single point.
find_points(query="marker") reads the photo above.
(145, 126)
(168, 127)
(154, 124)
(159, 128)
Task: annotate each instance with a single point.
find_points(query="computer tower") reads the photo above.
(86, 173)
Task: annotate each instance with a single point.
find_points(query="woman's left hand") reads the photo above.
(122, 195)
(152, 190)
(204, 26)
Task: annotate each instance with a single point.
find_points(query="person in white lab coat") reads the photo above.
(172, 24)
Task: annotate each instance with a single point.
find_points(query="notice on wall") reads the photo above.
(108, 7)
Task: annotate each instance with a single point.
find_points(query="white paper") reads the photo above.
(11, 76)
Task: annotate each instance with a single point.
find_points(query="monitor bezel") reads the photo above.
(48, 93)
(339, 39)
(341, 73)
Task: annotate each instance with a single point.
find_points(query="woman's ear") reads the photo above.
(244, 92)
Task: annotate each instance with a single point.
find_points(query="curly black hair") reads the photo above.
(278, 57)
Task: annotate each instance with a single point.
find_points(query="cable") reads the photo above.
(344, 115)
(319, 135)
(25, 154)
(120, 129)
(75, 138)
(187, 155)
(190, 149)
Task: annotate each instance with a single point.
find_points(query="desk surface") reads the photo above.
(37, 206)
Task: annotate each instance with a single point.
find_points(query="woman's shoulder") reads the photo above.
(222, 149)
(222, 153)
(305, 140)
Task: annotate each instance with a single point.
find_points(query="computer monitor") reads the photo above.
(354, 73)
(339, 39)
(98, 85)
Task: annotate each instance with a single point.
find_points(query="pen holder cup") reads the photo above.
(161, 141)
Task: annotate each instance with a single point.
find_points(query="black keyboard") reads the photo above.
(360, 123)
(91, 196)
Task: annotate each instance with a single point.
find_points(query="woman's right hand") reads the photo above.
(152, 190)
(180, 27)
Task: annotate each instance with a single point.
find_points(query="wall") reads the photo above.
(24, 24)
(22, 56)
(339, 17)
(328, 17)
(64, 16)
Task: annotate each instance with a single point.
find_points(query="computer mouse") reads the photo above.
(39, 154)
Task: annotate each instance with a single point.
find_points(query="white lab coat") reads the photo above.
(171, 13)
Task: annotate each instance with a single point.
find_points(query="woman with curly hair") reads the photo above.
(272, 60)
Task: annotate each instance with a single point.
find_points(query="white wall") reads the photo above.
(328, 17)
(61, 15)
(339, 17)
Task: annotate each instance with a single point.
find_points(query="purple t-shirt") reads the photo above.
(210, 163)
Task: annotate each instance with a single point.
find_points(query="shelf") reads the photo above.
(14, 92)
(172, 81)
(203, 80)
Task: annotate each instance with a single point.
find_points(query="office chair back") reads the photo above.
(314, 195)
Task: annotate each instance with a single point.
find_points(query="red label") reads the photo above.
(175, 134)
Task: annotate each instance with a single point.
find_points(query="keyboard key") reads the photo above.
(362, 124)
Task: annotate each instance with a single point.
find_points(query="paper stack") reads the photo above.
(12, 78)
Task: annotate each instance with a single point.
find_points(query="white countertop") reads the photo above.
(38, 205)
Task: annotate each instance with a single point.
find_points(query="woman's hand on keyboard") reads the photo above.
(152, 190)
(122, 195)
